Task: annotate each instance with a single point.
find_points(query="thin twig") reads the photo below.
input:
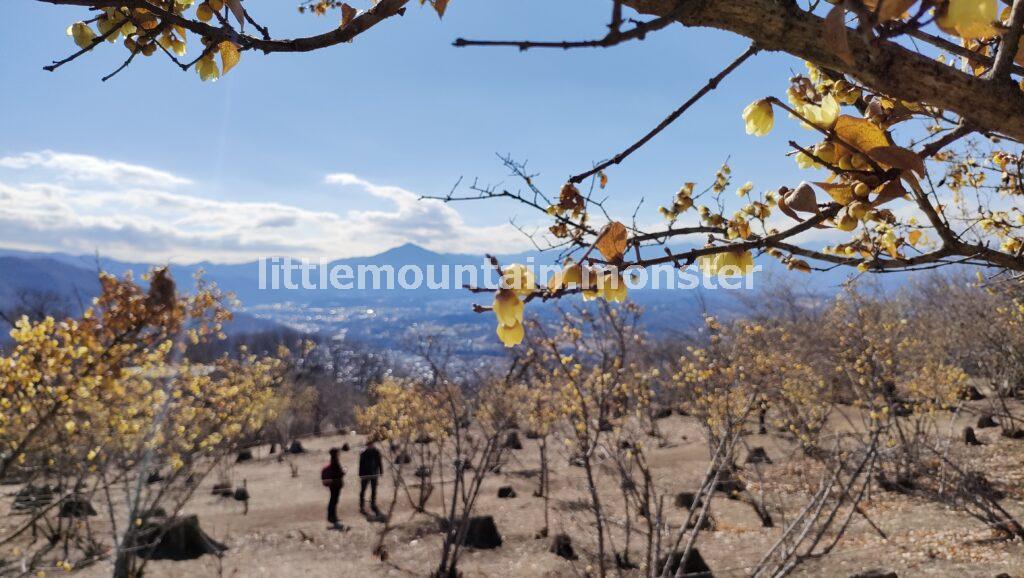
(711, 85)
(614, 37)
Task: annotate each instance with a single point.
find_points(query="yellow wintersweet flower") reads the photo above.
(518, 278)
(822, 115)
(612, 288)
(728, 263)
(508, 308)
(968, 19)
(511, 336)
(759, 117)
(82, 34)
(571, 275)
(207, 68)
(805, 162)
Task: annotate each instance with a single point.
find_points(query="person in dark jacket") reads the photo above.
(371, 468)
(333, 478)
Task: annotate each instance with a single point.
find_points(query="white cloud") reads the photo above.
(81, 204)
(89, 168)
(343, 179)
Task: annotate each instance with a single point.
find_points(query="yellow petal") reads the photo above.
(207, 68)
(728, 263)
(571, 275)
(709, 263)
(612, 288)
(511, 336)
(518, 278)
(759, 117)
(508, 308)
(82, 34)
(744, 261)
(822, 115)
(969, 19)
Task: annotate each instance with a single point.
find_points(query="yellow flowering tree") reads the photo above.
(589, 395)
(406, 416)
(105, 407)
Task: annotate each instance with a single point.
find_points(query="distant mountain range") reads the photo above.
(379, 315)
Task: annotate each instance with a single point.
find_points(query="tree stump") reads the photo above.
(986, 421)
(695, 566)
(175, 539)
(969, 437)
(758, 456)
(561, 546)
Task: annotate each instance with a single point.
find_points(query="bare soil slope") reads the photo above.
(286, 534)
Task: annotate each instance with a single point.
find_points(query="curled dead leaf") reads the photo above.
(347, 14)
(785, 207)
(611, 242)
(802, 198)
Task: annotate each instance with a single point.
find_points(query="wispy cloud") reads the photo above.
(76, 167)
(82, 204)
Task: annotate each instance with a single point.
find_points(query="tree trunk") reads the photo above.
(990, 105)
(124, 565)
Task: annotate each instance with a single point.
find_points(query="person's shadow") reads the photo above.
(376, 516)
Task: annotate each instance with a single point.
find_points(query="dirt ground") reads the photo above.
(285, 532)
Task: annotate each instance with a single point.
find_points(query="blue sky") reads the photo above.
(399, 112)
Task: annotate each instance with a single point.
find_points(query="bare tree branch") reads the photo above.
(614, 37)
(883, 65)
(708, 87)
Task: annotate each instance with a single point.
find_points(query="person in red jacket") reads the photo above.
(333, 478)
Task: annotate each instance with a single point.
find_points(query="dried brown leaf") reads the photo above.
(612, 241)
(898, 157)
(889, 191)
(835, 35)
(347, 14)
(860, 133)
(889, 9)
(236, 8)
